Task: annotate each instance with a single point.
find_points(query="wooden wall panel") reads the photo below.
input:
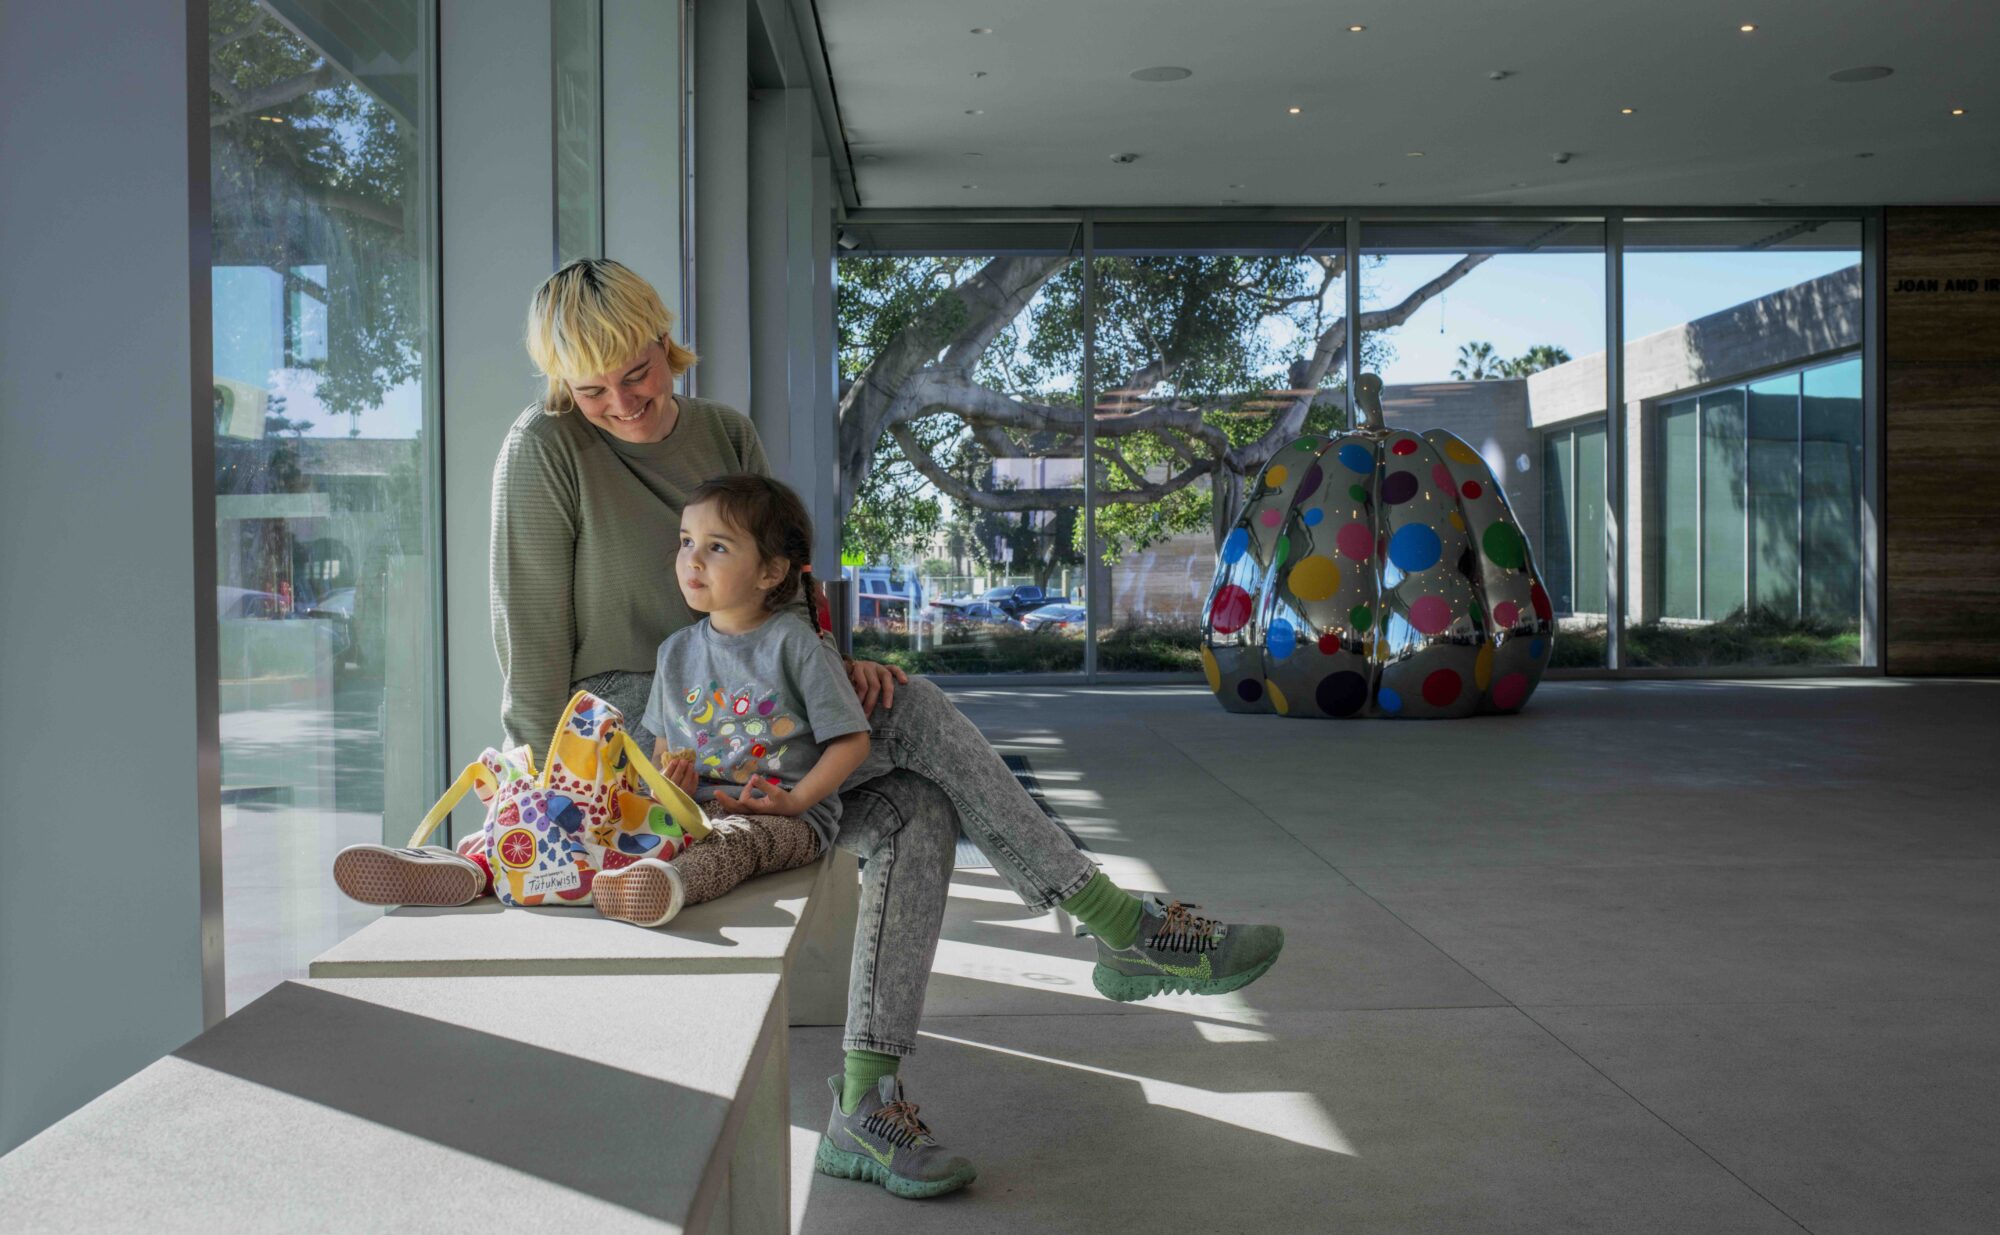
(1941, 517)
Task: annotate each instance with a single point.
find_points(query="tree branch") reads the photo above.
(278, 92)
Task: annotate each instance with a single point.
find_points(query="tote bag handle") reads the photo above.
(459, 788)
(678, 805)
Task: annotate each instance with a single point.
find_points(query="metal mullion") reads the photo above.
(1089, 392)
(1701, 508)
(1874, 596)
(1353, 310)
(1799, 500)
(1614, 443)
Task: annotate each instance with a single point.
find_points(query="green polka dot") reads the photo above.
(1503, 544)
(1305, 444)
(1284, 551)
(1360, 617)
(1358, 493)
(1477, 611)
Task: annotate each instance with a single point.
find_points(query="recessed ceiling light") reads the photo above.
(1414, 154)
(1958, 111)
(1747, 28)
(968, 186)
(982, 29)
(1162, 72)
(1625, 111)
(871, 158)
(1293, 110)
(1235, 186)
(1356, 29)
(980, 73)
(975, 111)
(1865, 154)
(1866, 72)
(974, 154)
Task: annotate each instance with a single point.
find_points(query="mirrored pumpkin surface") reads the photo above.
(1376, 573)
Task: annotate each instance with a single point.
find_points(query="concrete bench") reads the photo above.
(602, 1103)
(798, 924)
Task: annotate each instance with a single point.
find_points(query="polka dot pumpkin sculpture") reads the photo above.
(1376, 573)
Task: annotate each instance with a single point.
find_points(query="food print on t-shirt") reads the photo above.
(736, 733)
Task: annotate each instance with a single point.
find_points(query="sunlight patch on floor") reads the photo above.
(1290, 1115)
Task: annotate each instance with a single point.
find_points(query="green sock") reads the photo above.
(1111, 915)
(864, 1069)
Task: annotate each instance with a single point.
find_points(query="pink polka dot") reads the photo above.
(1405, 446)
(1510, 692)
(1271, 518)
(1354, 541)
(1430, 614)
(1441, 688)
(1472, 489)
(1231, 611)
(1441, 476)
(1506, 613)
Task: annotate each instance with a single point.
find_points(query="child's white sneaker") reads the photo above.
(647, 893)
(416, 875)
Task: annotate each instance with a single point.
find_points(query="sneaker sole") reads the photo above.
(843, 1165)
(641, 895)
(385, 877)
(1128, 987)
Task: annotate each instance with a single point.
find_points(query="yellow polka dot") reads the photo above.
(1315, 578)
(1482, 669)
(1211, 671)
(1277, 698)
(1458, 520)
(1459, 452)
(1276, 476)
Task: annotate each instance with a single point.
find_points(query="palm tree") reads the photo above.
(1476, 363)
(1535, 359)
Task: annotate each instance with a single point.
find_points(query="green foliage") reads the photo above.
(1745, 637)
(1478, 362)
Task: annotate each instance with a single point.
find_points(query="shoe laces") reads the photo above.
(1183, 931)
(897, 1123)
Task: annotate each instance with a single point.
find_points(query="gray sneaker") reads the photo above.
(1177, 951)
(884, 1141)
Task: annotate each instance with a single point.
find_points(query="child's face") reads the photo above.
(719, 568)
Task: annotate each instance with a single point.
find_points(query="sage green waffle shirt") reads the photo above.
(585, 531)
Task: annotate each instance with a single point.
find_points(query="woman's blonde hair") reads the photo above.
(591, 317)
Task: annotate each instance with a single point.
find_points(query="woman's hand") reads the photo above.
(875, 683)
(762, 797)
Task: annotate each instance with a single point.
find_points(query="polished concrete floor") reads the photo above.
(1651, 956)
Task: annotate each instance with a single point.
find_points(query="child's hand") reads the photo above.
(680, 770)
(762, 796)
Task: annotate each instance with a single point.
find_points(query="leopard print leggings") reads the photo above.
(741, 847)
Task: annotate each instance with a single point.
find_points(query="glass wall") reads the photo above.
(1744, 453)
(324, 395)
(1738, 447)
(1216, 345)
(576, 27)
(962, 454)
(1494, 332)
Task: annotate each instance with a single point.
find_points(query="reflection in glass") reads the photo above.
(323, 380)
(1744, 496)
(579, 125)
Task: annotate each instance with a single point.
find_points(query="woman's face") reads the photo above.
(633, 403)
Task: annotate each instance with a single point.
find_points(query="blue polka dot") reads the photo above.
(1414, 548)
(1312, 517)
(1535, 649)
(1280, 640)
(1392, 702)
(1357, 458)
(1233, 547)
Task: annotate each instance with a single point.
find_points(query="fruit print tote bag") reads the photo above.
(548, 833)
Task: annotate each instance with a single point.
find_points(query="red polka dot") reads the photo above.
(1506, 613)
(1441, 476)
(1441, 688)
(1540, 600)
(1231, 611)
(1510, 692)
(1472, 489)
(1430, 615)
(1329, 643)
(1405, 446)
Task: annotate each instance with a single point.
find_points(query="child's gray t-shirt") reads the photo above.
(762, 703)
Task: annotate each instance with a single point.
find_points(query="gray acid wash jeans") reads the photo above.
(906, 824)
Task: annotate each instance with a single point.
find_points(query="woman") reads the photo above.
(587, 498)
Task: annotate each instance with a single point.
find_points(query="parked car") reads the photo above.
(337, 607)
(972, 614)
(1055, 617)
(1019, 599)
(235, 602)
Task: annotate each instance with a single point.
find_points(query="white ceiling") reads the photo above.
(1721, 118)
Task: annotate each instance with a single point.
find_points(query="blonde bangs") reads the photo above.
(593, 317)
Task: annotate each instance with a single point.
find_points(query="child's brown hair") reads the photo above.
(776, 521)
